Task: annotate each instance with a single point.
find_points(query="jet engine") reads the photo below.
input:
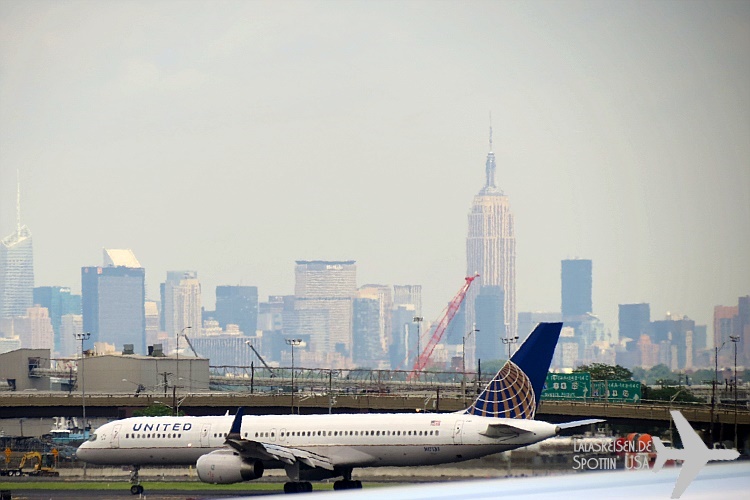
(227, 467)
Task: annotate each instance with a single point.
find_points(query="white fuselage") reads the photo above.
(356, 440)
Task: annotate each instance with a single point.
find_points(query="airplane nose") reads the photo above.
(83, 452)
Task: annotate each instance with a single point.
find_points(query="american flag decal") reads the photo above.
(435, 422)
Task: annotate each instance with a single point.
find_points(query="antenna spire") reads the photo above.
(490, 167)
(18, 202)
(490, 131)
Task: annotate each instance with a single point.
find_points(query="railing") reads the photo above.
(347, 381)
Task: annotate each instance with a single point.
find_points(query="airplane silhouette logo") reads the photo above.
(694, 454)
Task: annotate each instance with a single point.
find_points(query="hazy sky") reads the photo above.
(236, 137)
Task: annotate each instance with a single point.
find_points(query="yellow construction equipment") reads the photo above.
(45, 465)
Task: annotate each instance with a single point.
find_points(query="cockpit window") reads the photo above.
(92, 438)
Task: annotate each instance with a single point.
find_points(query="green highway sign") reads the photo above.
(567, 386)
(620, 391)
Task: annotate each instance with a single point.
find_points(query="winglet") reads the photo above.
(661, 453)
(234, 432)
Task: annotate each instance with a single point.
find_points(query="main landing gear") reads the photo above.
(136, 489)
(346, 483)
(297, 487)
(306, 487)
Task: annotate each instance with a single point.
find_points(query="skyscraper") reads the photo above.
(237, 305)
(181, 306)
(491, 246)
(743, 328)
(490, 323)
(408, 294)
(34, 329)
(402, 352)
(16, 269)
(59, 301)
(634, 320)
(576, 288)
(70, 326)
(407, 304)
(153, 323)
(384, 295)
(113, 301)
(323, 293)
(733, 321)
(367, 351)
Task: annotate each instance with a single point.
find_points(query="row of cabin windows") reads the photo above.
(149, 436)
(297, 434)
(347, 433)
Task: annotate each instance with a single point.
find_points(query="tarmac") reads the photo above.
(110, 476)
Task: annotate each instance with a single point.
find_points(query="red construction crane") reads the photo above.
(442, 324)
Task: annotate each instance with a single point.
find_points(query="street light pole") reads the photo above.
(463, 361)
(509, 341)
(177, 371)
(83, 336)
(330, 389)
(671, 400)
(293, 343)
(713, 391)
(735, 339)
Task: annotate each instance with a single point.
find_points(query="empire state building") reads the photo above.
(491, 252)
(16, 269)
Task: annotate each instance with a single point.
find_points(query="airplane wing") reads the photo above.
(502, 430)
(689, 470)
(690, 439)
(267, 451)
(696, 453)
(285, 454)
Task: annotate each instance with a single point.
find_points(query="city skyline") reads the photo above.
(237, 140)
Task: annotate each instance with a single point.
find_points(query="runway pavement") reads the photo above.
(21, 494)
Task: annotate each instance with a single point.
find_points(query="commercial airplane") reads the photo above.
(230, 449)
(694, 454)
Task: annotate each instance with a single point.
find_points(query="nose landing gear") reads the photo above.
(136, 489)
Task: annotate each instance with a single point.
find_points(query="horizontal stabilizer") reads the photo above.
(503, 431)
(579, 423)
(661, 453)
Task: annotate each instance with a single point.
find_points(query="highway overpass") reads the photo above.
(120, 405)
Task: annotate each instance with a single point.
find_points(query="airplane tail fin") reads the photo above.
(661, 453)
(234, 431)
(516, 389)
